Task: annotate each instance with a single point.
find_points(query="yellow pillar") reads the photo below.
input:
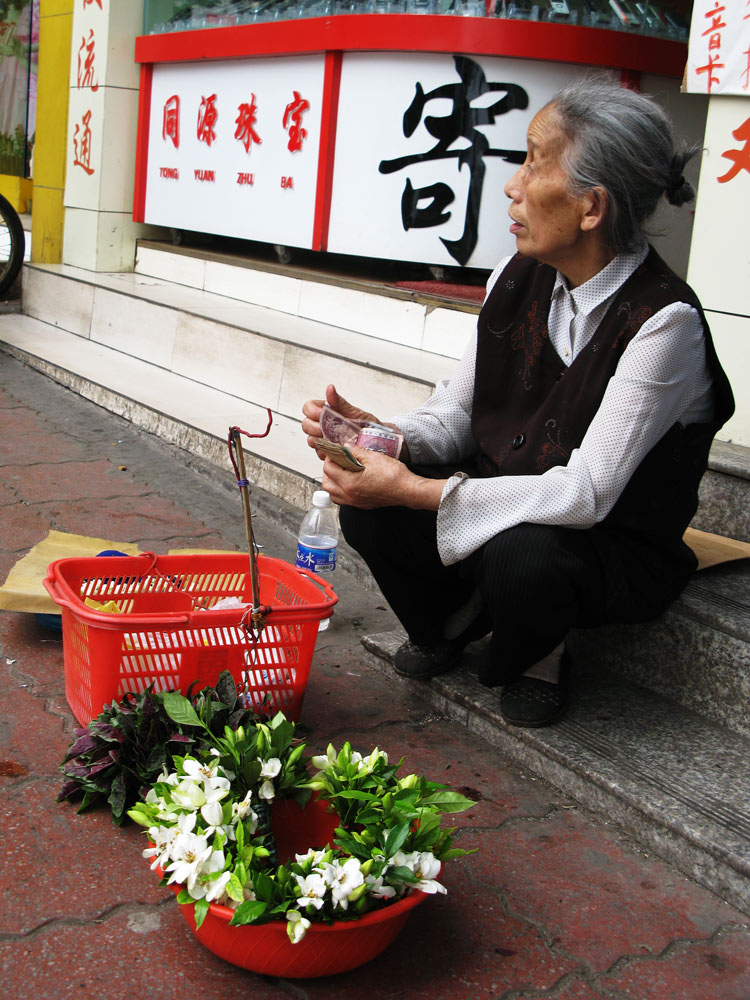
(48, 213)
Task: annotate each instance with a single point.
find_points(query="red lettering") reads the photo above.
(170, 173)
(243, 178)
(205, 175)
(287, 182)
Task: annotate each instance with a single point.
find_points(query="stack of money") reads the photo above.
(340, 432)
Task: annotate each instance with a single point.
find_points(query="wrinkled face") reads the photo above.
(546, 220)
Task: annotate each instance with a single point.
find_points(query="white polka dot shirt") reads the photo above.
(661, 378)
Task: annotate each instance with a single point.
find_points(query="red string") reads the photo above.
(234, 431)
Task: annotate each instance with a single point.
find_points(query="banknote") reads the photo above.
(339, 429)
(340, 454)
(374, 437)
(367, 434)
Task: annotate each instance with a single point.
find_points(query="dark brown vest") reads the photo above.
(530, 411)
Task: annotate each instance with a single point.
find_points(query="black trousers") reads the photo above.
(536, 583)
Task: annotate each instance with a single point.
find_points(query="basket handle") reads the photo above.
(319, 582)
(50, 584)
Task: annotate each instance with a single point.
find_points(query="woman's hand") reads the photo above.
(314, 407)
(384, 482)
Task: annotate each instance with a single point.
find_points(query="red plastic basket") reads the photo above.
(166, 634)
(326, 949)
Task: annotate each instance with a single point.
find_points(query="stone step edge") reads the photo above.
(392, 359)
(683, 838)
(368, 286)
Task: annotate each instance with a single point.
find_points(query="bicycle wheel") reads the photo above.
(12, 244)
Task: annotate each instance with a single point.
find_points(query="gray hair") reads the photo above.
(623, 142)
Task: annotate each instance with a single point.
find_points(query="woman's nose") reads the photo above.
(511, 189)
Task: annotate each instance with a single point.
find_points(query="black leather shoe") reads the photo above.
(422, 661)
(534, 703)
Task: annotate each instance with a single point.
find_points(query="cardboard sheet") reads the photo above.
(714, 549)
(24, 590)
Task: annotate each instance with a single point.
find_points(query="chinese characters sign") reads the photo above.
(462, 121)
(719, 49)
(425, 144)
(233, 148)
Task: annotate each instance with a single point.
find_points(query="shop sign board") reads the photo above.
(424, 145)
(233, 147)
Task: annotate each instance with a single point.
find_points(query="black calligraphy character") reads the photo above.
(461, 122)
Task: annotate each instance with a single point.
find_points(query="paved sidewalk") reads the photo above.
(555, 904)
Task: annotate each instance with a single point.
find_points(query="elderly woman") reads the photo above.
(547, 485)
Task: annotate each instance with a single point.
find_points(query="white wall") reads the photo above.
(719, 268)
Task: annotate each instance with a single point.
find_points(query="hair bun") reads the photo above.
(679, 190)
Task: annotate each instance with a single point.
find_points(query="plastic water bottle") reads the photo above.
(318, 538)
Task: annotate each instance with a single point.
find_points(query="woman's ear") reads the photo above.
(595, 204)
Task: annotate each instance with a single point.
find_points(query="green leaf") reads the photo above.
(251, 772)
(201, 911)
(117, 797)
(281, 735)
(396, 837)
(448, 801)
(263, 887)
(401, 873)
(179, 709)
(248, 912)
(455, 852)
(353, 793)
(234, 889)
(183, 896)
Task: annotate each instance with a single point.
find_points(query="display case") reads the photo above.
(667, 20)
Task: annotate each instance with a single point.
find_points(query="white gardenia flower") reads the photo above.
(376, 887)
(367, 764)
(189, 795)
(200, 771)
(188, 853)
(267, 791)
(313, 890)
(425, 867)
(162, 838)
(213, 815)
(297, 926)
(343, 879)
(321, 762)
(212, 890)
(270, 768)
(311, 855)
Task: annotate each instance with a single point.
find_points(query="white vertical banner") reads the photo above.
(719, 48)
(86, 109)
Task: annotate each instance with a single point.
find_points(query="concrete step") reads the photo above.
(725, 493)
(675, 781)
(697, 654)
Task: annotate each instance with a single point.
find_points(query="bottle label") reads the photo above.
(316, 560)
